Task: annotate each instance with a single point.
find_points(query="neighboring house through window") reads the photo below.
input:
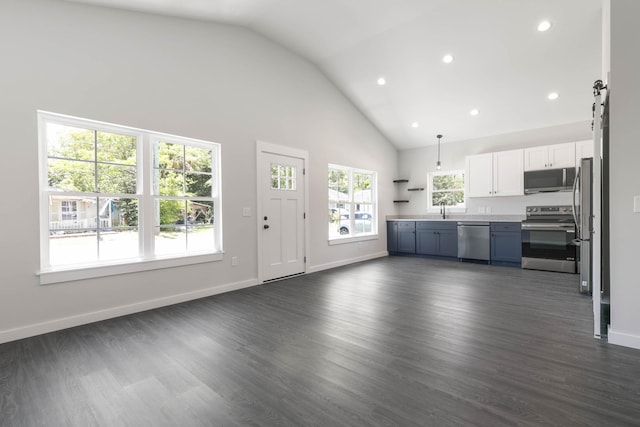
(352, 204)
(115, 196)
(69, 210)
(446, 187)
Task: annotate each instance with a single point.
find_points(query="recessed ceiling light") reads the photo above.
(415, 124)
(382, 81)
(544, 26)
(474, 112)
(447, 59)
(553, 95)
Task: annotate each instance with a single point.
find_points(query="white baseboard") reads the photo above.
(314, 268)
(95, 316)
(620, 338)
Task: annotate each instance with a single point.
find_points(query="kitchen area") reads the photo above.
(526, 208)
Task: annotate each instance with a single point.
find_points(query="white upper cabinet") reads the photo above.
(479, 175)
(495, 174)
(584, 150)
(550, 157)
(508, 173)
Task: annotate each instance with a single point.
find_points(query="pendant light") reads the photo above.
(438, 164)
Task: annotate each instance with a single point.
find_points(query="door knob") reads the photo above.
(265, 226)
(265, 218)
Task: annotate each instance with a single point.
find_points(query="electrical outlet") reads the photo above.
(246, 211)
(481, 209)
(234, 261)
(487, 209)
(636, 204)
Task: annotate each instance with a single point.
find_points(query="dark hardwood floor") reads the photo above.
(390, 342)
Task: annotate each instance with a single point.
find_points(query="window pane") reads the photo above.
(72, 247)
(170, 183)
(170, 240)
(363, 221)
(70, 142)
(70, 215)
(283, 177)
(339, 183)
(169, 156)
(198, 159)
(449, 198)
(118, 220)
(198, 184)
(362, 184)
(171, 227)
(72, 230)
(200, 238)
(71, 175)
(114, 148)
(339, 220)
(123, 212)
(448, 182)
(116, 179)
(200, 233)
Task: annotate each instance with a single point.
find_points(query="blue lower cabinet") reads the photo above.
(392, 236)
(506, 243)
(426, 242)
(407, 237)
(448, 243)
(437, 238)
(440, 239)
(401, 237)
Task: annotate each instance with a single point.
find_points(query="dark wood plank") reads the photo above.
(391, 342)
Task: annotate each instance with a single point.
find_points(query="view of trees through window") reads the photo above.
(95, 195)
(447, 188)
(352, 196)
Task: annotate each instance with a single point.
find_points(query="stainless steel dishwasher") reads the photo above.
(473, 240)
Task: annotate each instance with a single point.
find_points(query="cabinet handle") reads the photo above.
(550, 164)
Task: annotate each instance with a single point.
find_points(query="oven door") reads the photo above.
(553, 241)
(549, 246)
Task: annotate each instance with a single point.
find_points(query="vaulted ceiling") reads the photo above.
(502, 65)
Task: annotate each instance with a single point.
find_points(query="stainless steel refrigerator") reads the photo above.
(583, 216)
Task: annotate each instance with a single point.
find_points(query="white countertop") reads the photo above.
(457, 217)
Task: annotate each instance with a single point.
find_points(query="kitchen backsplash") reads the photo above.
(515, 205)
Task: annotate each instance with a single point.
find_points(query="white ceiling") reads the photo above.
(503, 66)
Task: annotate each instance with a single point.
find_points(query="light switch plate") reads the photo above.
(636, 203)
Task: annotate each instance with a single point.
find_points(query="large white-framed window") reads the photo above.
(353, 208)
(446, 187)
(116, 199)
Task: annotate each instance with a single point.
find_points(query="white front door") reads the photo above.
(281, 224)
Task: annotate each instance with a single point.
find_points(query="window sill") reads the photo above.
(71, 273)
(343, 240)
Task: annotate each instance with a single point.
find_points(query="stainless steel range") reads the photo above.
(548, 239)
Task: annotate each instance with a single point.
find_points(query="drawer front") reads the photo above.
(436, 225)
(406, 225)
(506, 226)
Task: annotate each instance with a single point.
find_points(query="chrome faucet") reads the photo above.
(443, 210)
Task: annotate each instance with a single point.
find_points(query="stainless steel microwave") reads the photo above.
(549, 180)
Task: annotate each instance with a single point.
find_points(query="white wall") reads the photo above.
(213, 82)
(416, 165)
(625, 173)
